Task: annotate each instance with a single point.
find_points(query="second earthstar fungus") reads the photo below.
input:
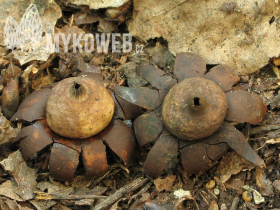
(191, 116)
(77, 117)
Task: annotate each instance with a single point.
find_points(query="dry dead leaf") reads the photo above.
(236, 182)
(82, 17)
(106, 26)
(263, 183)
(55, 190)
(251, 206)
(7, 189)
(43, 205)
(119, 13)
(97, 4)
(240, 35)
(133, 80)
(213, 206)
(224, 207)
(160, 56)
(3, 60)
(270, 141)
(192, 205)
(276, 184)
(151, 206)
(23, 175)
(276, 61)
(42, 81)
(123, 59)
(231, 164)
(7, 132)
(165, 184)
(10, 98)
(115, 206)
(273, 141)
(71, 64)
(25, 79)
(11, 72)
(51, 188)
(70, 31)
(59, 206)
(269, 152)
(7, 204)
(92, 68)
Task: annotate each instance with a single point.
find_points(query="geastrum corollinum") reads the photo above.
(190, 116)
(76, 117)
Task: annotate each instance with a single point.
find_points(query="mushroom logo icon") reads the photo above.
(28, 32)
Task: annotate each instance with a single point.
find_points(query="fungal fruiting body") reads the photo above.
(79, 108)
(189, 114)
(76, 119)
(194, 108)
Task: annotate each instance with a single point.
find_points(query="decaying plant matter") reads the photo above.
(192, 107)
(70, 117)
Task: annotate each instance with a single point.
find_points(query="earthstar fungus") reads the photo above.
(77, 117)
(190, 116)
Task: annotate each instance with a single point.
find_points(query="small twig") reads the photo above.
(264, 128)
(251, 81)
(71, 20)
(235, 203)
(47, 196)
(47, 63)
(12, 66)
(247, 131)
(109, 172)
(269, 141)
(121, 192)
(25, 78)
(143, 190)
